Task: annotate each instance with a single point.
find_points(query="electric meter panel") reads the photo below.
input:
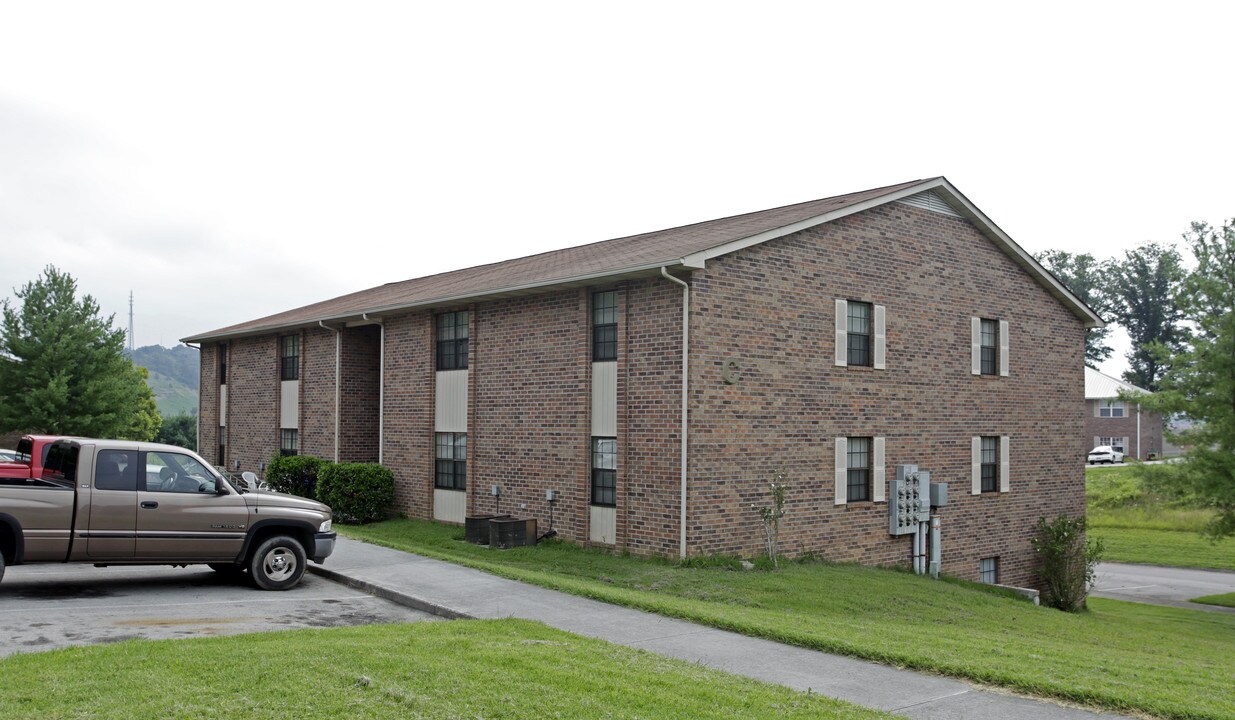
(908, 500)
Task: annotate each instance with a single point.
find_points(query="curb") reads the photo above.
(388, 594)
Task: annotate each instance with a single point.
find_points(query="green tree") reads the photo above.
(179, 430)
(65, 371)
(1144, 291)
(1200, 380)
(1086, 278)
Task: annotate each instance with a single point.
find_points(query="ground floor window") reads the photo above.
(1116, 443)
(451, 461)
(858, 469)
(222, 444)
(988, 570)
(990, 464)
(604, 471)
(289, 442)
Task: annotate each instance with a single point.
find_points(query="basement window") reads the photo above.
(988, 570)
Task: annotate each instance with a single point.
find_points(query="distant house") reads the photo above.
(1120, 424)
(639, 393)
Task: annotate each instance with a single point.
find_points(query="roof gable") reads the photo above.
(1099, 386)
(688, 246)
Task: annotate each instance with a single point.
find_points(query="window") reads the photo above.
(990, 347)
(859, 468)
(289, 357)
(988, 570)
(116, 471)
(990, 464)
(288, 442)
(1116, 443)
(177, 473)
(452, 339)
(222, 350)
(222, 443)
(1111, 408)
(604, 471)
(451, 461)
(859, 345)
(604, 326)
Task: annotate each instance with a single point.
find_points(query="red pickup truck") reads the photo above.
(31, 454)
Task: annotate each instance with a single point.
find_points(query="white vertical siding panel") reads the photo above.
(604, 399)
(289, 404)
(449, 505)
(603, 526)
(222, 406)
(451, 401)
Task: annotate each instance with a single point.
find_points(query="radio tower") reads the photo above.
(130, 323)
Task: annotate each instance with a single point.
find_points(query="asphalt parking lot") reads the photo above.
(52, 606)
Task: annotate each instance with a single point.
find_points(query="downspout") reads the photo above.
(1139, 456)
(381, 387)
(685, 390)
(338, 363)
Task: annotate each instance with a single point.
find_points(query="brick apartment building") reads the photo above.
(832, 339)
(1120, 424)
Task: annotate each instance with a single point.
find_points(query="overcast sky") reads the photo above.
(225, 161)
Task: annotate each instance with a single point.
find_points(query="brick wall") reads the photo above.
(1151, 429)
(361, 369)
(252, 401)
(408, 435)
(317, 393)
(770, 309)
(208, 403)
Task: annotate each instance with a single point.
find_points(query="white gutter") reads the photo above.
(685, 390)
(338, 363)
(199, 414)
(381, 387)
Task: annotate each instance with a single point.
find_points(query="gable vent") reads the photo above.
(930, 201)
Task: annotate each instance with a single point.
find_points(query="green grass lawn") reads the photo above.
(1164, 661)
(1138, 526)
(1225, 600)
(464, 669)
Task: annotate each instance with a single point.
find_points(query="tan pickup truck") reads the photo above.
(115, 502)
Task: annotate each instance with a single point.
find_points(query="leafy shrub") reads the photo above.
(356, 492)
(1067, 561)
(294, 474)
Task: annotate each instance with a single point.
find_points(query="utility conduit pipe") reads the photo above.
(685, 390)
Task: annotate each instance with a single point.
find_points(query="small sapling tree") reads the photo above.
(771, 515)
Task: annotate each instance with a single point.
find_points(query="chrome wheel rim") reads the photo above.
(279, 564)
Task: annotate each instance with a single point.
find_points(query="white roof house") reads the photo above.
(1101, 387)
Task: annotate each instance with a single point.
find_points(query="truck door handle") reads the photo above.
(150, 504)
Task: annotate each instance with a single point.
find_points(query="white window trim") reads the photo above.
(1005, 464)
(975, 346)
(878, 475)
(879, 335)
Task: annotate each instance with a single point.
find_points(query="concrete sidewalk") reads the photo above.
(454, 591)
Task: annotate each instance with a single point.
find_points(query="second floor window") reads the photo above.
(452, 340)
(222, 350)
(990, 347)
(604, 326)
(859, 333)
(1111, 408)
(289, 357)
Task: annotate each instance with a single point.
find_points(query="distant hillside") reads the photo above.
(174, 377)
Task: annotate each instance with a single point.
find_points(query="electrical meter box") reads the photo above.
(939, 494)
(909, 500)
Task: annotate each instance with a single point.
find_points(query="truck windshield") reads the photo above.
(24, 446)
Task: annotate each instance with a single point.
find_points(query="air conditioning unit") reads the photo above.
(506, 533)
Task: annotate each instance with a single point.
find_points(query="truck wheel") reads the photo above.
(277, 564)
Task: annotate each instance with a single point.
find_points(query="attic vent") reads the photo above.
(930, 201)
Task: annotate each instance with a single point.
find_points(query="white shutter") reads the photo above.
(976, 458)
(1097, 408)
(842, 333)
(877, 476)
(842, 468)
(881, 337)
(1096, 441)
(1005, 464)
(1003, 348)
(975, 345)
